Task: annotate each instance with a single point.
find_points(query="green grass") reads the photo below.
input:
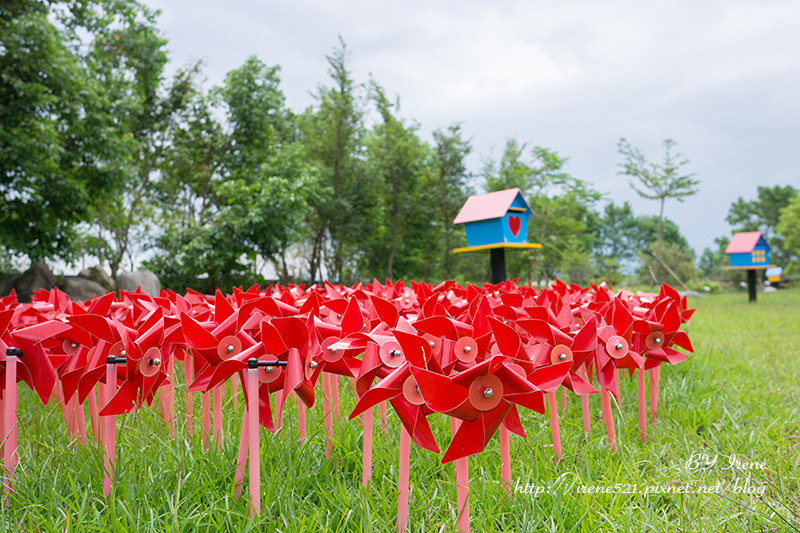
(738, 395)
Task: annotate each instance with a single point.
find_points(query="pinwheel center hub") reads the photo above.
(74, 345)
(333, 350)
(657, 340)
(467, 349)
(486, 392)
(619, 346)
(269, 369)
(562, 357)
(155, 361)
(229, 348)
(313, 364)
(396, 353)
(123, 353)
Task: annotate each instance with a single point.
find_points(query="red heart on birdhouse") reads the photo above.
(514, 224)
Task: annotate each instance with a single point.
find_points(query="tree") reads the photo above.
(448, 184)
(617, 240)
(656, 181)
(233, 195)
(62, 156)
(789, 225)
(398, 159)
(129, 57)
(333, 135)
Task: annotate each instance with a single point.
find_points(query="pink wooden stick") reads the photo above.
(383, 416)
(642, 409)
(109, 430)
(554, 429)
(608, 416)
(241, 458)
(587, 415)
(462, 484)
(93, 414)
(10, 423)
(81, 418)
(167, 399)
(217, 399)
(505, 459)
(252, 437)
(279, 408)
(327, 412)
(189, 366)
(654, 383)
(563, 398)
(335, 395)
(235, 390)
(301, 421)
(206, 419)
(402, 482)
(366, 452)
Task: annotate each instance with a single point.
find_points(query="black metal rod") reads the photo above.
(751, 285)
(255, 363)
(13, 352)
(111, 360)
(498, 260)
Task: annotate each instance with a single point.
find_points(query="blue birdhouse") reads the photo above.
(748, 250)
(496, 219)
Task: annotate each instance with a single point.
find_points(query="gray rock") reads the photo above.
(79, 288)
(693, 294)
(149, 282)
(7, 282)
(38, 276)
(99, 276)
(770, 289)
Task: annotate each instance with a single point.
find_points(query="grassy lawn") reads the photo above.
(738, 395)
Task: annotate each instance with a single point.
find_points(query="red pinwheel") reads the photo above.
(481, 397)
(399, 387)
(144, 368)
(34, 367)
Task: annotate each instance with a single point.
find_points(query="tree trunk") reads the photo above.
(658, 241)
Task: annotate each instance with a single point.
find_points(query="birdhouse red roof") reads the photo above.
(743, 242)
(489, 205)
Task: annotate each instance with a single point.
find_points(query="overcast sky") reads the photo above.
(722, 78)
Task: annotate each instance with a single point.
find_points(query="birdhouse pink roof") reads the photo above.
(489, 205)
(744, 242)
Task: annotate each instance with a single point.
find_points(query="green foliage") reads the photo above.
(789, 228)
(61, 157)
(617, 239)
(236, 194)
(679, 259)
(789, 225)
(399, 162)
(333, 133)
(448, 187)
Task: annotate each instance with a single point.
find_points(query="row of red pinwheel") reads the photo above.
(474, 354)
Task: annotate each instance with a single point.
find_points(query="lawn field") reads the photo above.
(738, 395)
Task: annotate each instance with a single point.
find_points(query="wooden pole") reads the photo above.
(751, 285)
(498, 260)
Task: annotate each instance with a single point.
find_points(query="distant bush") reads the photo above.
(705, 286)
